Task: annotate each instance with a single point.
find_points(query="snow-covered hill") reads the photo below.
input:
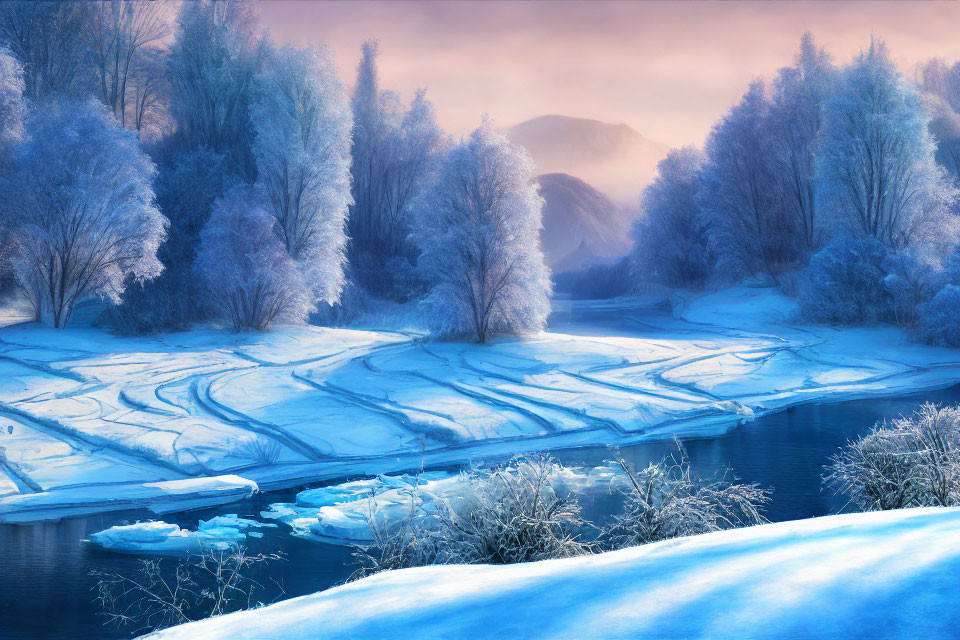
(614, 158)
(580, 224)
(890, 575)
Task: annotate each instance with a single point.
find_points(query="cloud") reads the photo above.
(667, 69)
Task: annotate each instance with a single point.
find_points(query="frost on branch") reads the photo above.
(912, 462)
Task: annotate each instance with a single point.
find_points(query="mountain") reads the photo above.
(613, 157)
(581, 225)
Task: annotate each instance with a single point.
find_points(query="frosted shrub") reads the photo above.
(844, 283)
(516, 513)
(250, 279)
(912, 462)
(938, 321)
(667, 500)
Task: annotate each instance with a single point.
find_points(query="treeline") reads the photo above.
(174, 159)
(837, 183)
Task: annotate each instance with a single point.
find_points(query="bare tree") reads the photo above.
(148, 91)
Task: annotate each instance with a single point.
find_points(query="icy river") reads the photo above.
(45, 587)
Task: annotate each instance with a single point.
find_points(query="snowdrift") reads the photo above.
(873, 575)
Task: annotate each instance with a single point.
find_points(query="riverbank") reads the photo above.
(83, 412)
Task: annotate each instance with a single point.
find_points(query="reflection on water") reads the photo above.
(45, 590)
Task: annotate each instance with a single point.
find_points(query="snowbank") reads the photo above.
(159, 497)
(876, 575)
(83, 413)
(158, 537)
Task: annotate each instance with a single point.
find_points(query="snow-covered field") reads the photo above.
(91, 422)
(889, 575)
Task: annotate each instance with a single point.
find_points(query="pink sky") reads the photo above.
(666, 69)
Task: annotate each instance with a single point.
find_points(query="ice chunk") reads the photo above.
(158, 537)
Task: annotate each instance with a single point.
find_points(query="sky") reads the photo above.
(667, 69)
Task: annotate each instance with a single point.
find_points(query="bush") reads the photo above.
(666, 500)
(913, 462)
(844, 283)
(251, 282)
(528, 510)
(516, 513)
(938, 321)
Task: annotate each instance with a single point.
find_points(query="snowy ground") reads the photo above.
(874, 575)
(91, 422)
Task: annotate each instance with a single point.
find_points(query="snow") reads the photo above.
(89, 419)
(166, 496)
(872, 575)
(158, 537)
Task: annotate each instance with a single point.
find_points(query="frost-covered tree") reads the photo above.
(301, 118)
(12, 104)
(369, 127)
(876, 173)
(478, 227)
(942, 84)
(121, 36)
(45, 38)
(84, 207)
(12, 112)
(187, 185)
(214, 57)
(250, 278)
(798, 96)
(750, 229)
(670, 240)
(395, 154)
